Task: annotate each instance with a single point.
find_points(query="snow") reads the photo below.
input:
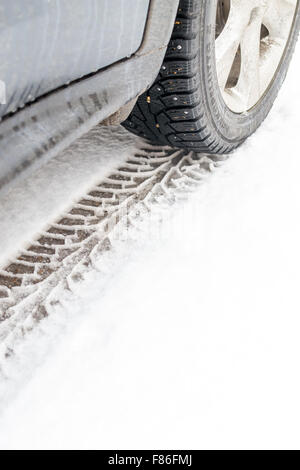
(34, 202)
(184, 336)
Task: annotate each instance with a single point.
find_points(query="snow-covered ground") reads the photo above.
(31, 203)
(185, 335)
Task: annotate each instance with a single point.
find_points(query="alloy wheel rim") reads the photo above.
(251, 37)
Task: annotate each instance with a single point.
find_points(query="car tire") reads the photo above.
(185, 106)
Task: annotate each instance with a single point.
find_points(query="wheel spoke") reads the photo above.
(228, 41)
(248, 86)
(277, 18)
(269, 61)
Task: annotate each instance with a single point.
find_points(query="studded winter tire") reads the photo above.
(223, 68)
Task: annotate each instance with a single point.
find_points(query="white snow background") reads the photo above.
(189, 339)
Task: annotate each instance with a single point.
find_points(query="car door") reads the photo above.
(45, 44)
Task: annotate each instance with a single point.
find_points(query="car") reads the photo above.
(195, 74)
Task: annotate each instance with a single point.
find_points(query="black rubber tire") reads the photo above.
(184, 107)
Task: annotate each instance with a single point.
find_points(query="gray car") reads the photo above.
(197, 74)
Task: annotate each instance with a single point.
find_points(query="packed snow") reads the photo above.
(32, 203)
(186, 335)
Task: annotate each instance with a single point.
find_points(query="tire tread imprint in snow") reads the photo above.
(95, 211)
(28, 281)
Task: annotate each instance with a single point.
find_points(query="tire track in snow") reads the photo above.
(152, 175)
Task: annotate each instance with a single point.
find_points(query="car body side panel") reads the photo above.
(34, 134)
(45, 44)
